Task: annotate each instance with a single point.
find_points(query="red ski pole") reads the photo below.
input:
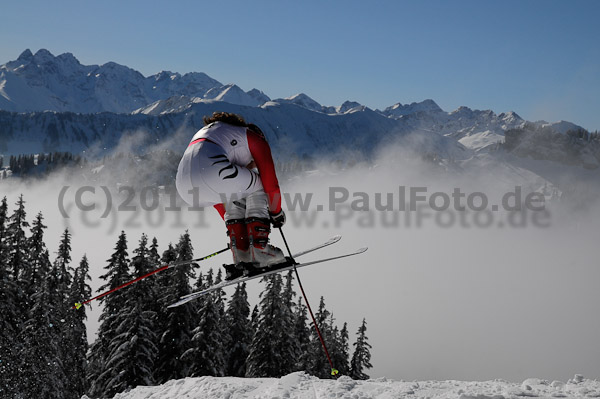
(160, 269)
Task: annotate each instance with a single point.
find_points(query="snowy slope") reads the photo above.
(232, 94)
(397, 110)
(302, 386)
(560, 126)
(301, 100)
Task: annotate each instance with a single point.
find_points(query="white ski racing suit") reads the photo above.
(214, 171)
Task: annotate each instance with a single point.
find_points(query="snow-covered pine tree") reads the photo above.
(117, 274)
(318, 363)
(289, 345)
(220, 303)
(207, 353)
(62, 278)
(254, 319)
(240, 331)
(39, 264)
(10, 320)
(153, 254)
(16, 240)
(338, 347)
(263, 358)
(361, 358)
(17, 260)
(44, 374)
(133, 348)
(302, 334)
(219, 295)
(154, 262)
(3, 220)
(80, 290)
(268, 357)
(175, 326)
(341, 353)
(76, 364)
(43, 336)
(63, 263)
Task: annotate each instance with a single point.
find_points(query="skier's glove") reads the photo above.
(278, 219)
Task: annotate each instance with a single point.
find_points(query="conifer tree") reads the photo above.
(9, 319)
(44, 334)
(16, 240)
(318, 363)
(3, 218)
(132, 351)
(302, 334)
(240, 331)
(206, 353)
(268, 357)
(220, 300)
(254, 319)
(61, 280)
(154, 263)
(361, 358)
(153, 255)
(338, 346)
(76, 362)
(16, 310)
(175, 325)
(288, 345)
(39, 264)
(117, 274)
(45, 372)
(341, 355)
(219, 295)
(63, 263)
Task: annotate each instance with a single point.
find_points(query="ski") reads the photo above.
(195, 295)
(327, 243)
(78, 305)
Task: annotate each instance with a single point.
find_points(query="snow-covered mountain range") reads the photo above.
(43, 82)
(54, 103)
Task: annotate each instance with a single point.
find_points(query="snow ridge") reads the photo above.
(300, 385)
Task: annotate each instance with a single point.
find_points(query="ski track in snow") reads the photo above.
(302, 386)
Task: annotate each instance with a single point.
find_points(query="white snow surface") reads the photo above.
(481, 140)
(300, 385)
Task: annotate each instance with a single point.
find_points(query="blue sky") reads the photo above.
(540, 59)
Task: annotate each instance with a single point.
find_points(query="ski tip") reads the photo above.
(176, 304)
(77, 306)
(335, 238)
(183, 300)
(360, 251)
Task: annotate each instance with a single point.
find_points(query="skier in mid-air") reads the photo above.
(228, 165)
